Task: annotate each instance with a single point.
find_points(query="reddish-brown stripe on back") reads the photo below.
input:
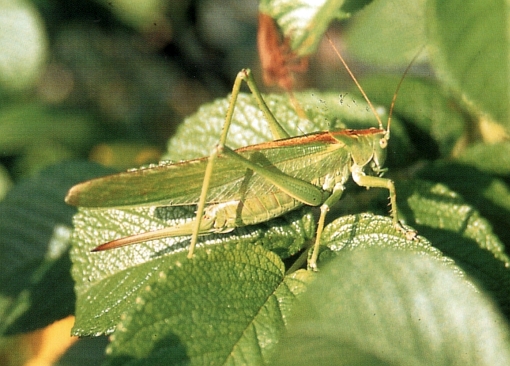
(365, 132)
(323, 137)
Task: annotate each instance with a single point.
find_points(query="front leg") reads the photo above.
(378, 182)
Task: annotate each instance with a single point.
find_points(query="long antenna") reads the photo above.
(357, 84)
(363, 92)
(398, 87)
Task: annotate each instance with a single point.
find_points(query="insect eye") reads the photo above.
(383, 143)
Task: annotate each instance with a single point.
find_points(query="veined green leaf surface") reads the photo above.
(385, 307)
(107, 283)
(226, 306)
(461, 233)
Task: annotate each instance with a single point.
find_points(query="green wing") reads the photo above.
(308, 157)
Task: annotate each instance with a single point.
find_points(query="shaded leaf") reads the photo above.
(421, 103)
(460, 45)
(36, 288)
(435, 206)
(84, 352)
(490, 158)
(489, 194)
(459, 231)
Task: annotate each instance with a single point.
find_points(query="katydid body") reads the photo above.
(250, 185)
(237, 195)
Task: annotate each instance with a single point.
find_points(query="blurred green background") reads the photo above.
(74, 74)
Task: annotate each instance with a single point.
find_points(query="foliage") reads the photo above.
(378, 297)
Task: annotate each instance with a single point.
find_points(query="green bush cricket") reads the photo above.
(255, 183)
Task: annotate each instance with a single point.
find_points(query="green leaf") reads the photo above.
(437, 207)
(226, 306)
(490, 158)
(139, 14)
(97, 275)
(460, 232)
(25, 125)
(354, 232)
(471, 57)
(489, 194)
(386, 307)
(388, 32)
(35, 284)
(423, 104)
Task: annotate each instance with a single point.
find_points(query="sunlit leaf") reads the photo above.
(227, 305)
(387, 307)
